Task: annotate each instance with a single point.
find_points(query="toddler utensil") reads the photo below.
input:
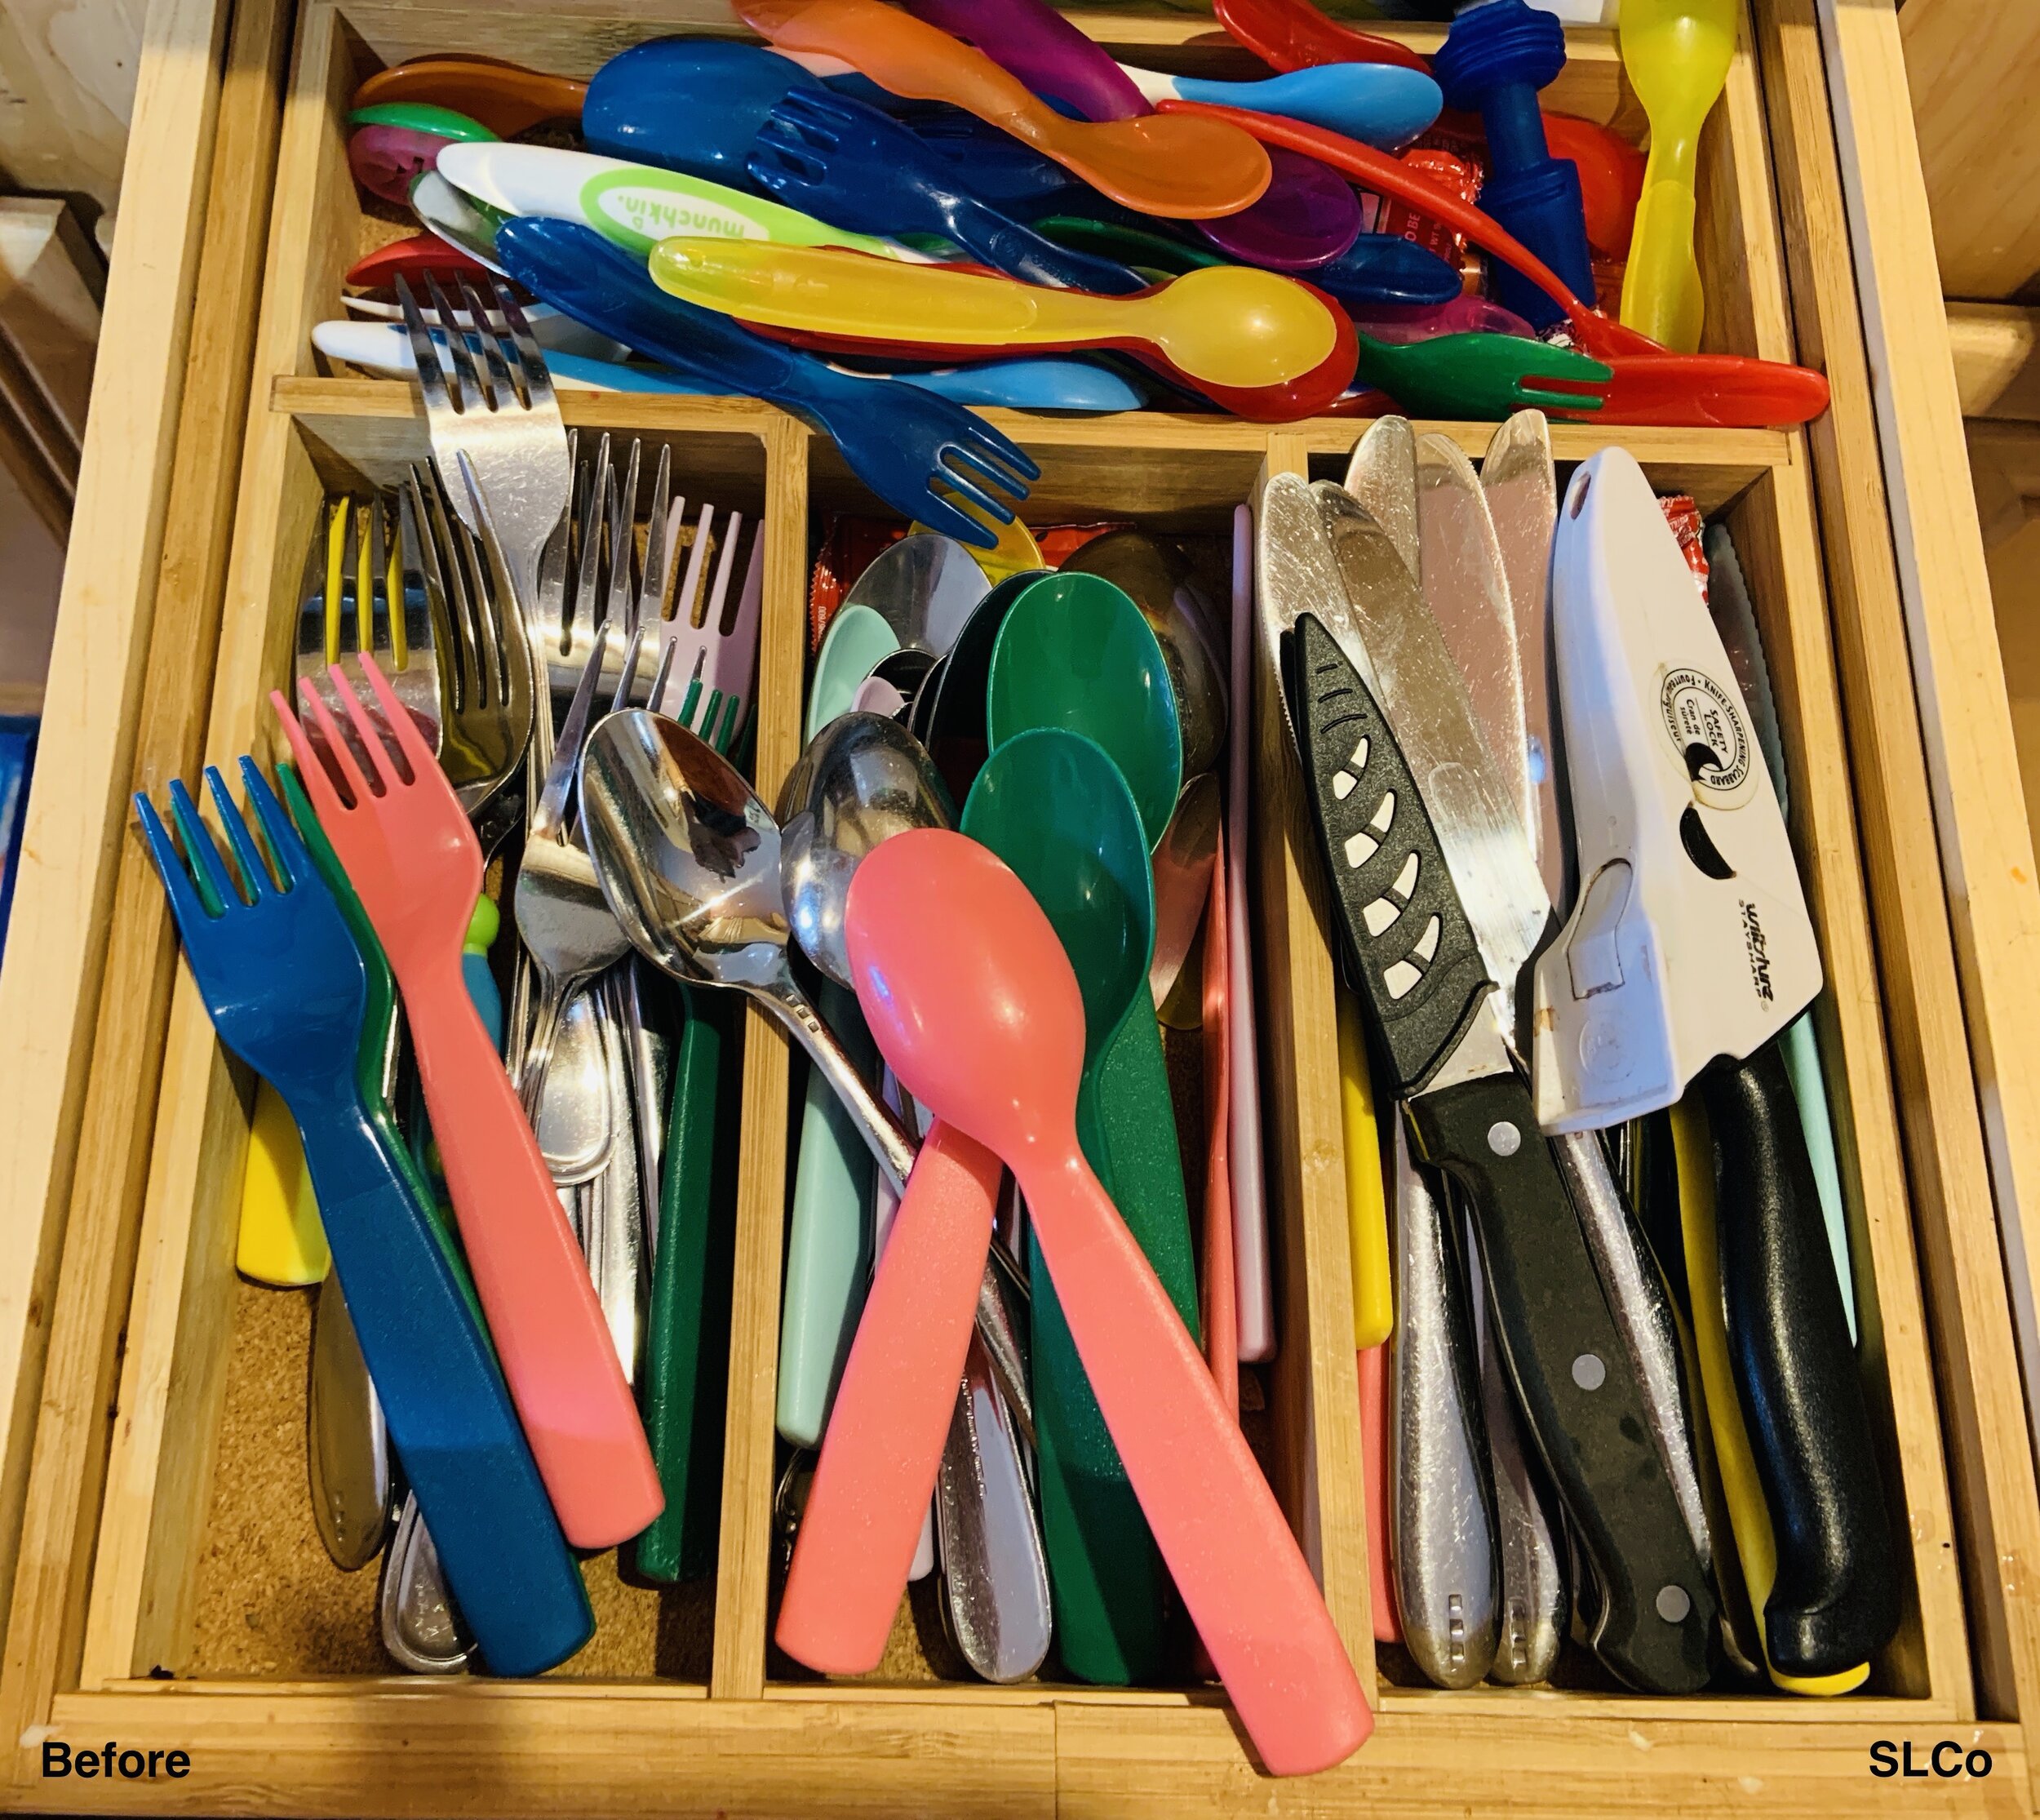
(1677, 53)
(1260, 345)
(1384, 104)
(1307, 218)
(972, 1000)
(1485, 377)
(848, 162)
(506, 97)
(1292, 34)
(633, 204)
(688, 104)
(1144, 163)
(285, 986)
(1650, 385)
(897, 440)
(414, 860)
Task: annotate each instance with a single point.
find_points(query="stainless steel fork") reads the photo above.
(489, 396)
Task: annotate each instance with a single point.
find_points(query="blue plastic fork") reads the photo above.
(288, 993)
(848, 163)
(895, 438)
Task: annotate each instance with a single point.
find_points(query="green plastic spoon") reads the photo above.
(1075, 652)
(422, 116)
(1054, 807)
(1480, 376)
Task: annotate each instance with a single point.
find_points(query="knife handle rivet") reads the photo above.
(1673, 1603)
(1504, 1139)
(1588, 1372)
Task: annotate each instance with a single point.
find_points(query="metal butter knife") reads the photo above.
(1443, 906)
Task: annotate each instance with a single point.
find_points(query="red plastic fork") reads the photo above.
(1651, 384)
(414, 861)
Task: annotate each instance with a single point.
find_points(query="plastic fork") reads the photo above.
(842, 159)
(287, 991)
(895, 438)
(1487, 377)
(414, 862)
(499, 411)
(713, 667)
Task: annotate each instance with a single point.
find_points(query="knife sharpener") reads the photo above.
(1690, 939)
(1494, 61)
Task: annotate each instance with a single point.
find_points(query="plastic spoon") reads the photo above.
(864, 781)
(633, 204)
(1075, 652)
(1260, 345)
(1053, 807)
(1143, 163)
(1292, 34)
(1651, 384)
(1383, 103)
(506, 97)
(1677, 54)
(972, 1000)
(1309, 217)
(386, 161)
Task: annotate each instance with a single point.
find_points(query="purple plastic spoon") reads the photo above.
(1309, 215)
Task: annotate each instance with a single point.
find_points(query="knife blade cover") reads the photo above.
(1691, 938)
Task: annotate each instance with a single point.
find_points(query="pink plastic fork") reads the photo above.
(412, 857)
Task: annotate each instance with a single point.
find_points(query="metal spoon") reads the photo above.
(1162, 583)
(347, 1446)
(863, 779)
(422, 1628)
(925, 587)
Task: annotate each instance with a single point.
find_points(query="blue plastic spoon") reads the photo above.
(1379, 104)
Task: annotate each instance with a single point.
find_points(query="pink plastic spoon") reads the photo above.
(973, 1003)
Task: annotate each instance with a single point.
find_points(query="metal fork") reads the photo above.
(360, 594)
(487, 701)
(499, 413)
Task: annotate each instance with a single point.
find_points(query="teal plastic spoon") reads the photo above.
(1055, 808)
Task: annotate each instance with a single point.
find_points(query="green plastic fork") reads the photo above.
(1482, 377)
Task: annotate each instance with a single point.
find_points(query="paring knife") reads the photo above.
(1441, 931)
(1468, 591)
(1692, 947)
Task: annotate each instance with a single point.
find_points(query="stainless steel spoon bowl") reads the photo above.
(1161, 582)
(688, 858)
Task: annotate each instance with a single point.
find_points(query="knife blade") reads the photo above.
(1517, 477)
(1468, 595)
(1690, 972)
(1382, 474)
(1442, 1010)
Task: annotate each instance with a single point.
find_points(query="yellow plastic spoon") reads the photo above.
(1229, 326)
(1677, 53)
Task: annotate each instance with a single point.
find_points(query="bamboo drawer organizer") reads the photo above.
(131, 1279)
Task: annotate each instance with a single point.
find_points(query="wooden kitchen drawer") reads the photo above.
(117, 1631)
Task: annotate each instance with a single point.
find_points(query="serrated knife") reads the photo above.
(1442, 907)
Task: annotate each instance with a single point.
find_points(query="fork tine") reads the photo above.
(959, 478)
(499, 385)
(205, 862)
(255, 871)
(446, 329)
(335, 573)
(411, 535)
(538, 376)
(375, 745)
(293, 864)
(471, 688)
(661, 675)
(958, 457)
(432, 374)
(364, 576)
(492, 617)
(725, 564)
(344, 758)
(409, 741)
(938, 514)
(990, 445)
(185, 903)
(393, 635)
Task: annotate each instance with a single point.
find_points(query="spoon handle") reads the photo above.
(884, 1440)
(889, 1141)
(1240, 1573)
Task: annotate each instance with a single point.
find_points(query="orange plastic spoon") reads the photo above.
(507, 98)
(1156, 166)
(973, 1003)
